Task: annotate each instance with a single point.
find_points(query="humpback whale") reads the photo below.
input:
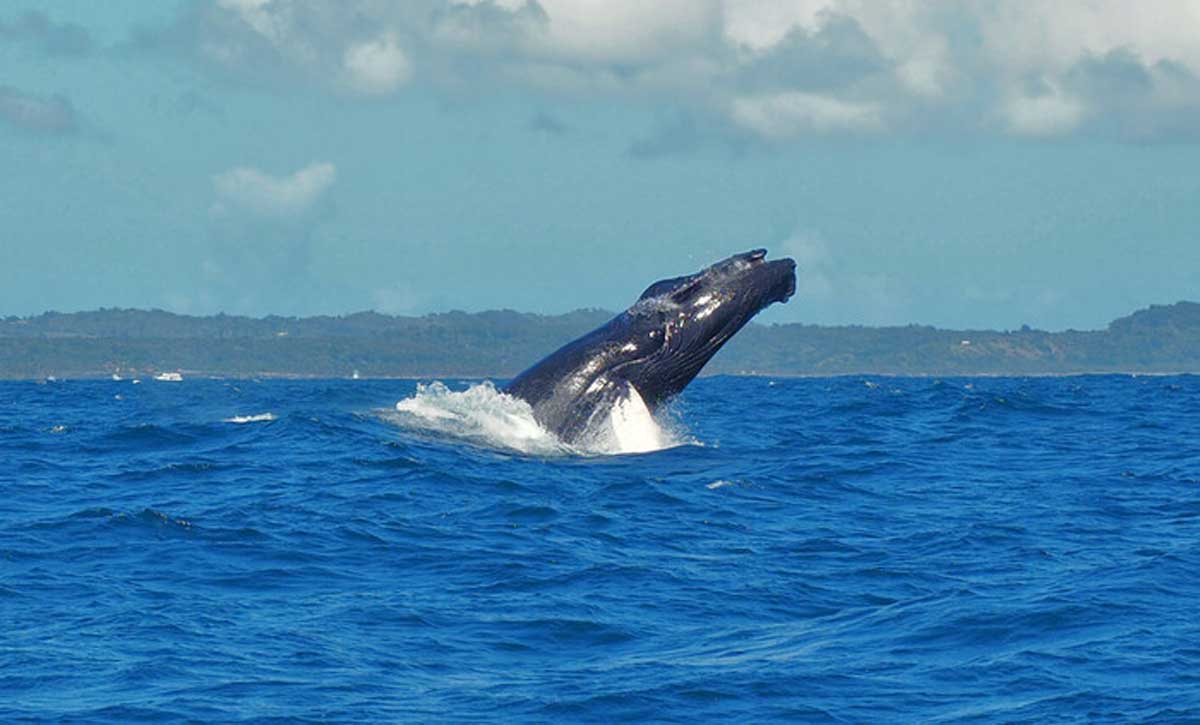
(651, 351)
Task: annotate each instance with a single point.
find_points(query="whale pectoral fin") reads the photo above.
(590, 409)
(580, 416)
(614, 417)
(632, 424)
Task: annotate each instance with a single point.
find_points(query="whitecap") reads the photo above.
(259, 418)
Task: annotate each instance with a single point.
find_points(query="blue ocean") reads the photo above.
(852, 549)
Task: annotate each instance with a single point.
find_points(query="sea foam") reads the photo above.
(489, 417)
(259, 418)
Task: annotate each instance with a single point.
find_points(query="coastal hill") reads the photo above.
(502, 343)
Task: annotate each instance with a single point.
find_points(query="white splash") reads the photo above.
(260, 418)
(484, 415)
(481, 414)
(634, 428)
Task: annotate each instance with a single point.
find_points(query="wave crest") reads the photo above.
(243, 419)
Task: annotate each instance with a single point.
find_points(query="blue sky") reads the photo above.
(966, 164)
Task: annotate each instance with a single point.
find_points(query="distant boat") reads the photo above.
(169, 378)
(117, 378)
(355, 375)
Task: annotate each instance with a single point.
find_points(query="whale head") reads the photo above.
(678, 324)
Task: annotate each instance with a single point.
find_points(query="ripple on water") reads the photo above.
(856, 549)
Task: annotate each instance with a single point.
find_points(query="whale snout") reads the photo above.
(781, 276)
(769, 281)
(789, 278)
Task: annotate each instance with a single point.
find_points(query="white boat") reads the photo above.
(169, 378)
(117, 378)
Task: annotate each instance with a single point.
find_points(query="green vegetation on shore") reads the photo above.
(502, 343)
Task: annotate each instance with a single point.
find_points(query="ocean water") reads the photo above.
(853, 549)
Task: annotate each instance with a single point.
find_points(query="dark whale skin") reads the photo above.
(657, 346)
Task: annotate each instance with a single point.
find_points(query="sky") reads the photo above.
(965, 163)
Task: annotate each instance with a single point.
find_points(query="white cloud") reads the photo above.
(510, 5)
(879, 65)
(761, 24)
(1050, 37)
(1048, 114)
(625, 31)
(269, 19)
(280, 197)
(598, 31)
(785, 115)
(377, 66)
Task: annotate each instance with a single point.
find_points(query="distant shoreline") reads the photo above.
(1160, 340)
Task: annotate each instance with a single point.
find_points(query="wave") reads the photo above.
(260, 418)
(484, 415)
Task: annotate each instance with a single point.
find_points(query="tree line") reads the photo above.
(501, 343)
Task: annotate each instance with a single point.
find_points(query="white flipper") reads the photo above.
(634, 428)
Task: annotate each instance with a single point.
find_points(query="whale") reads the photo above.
(650, 352)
